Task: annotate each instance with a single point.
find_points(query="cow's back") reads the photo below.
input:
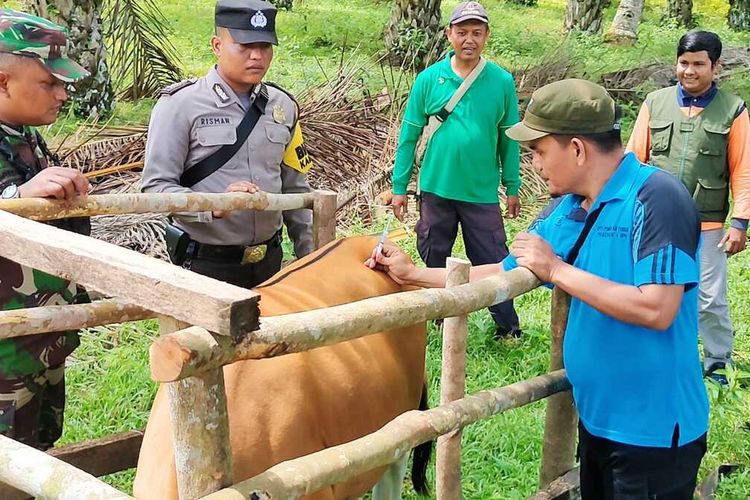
(293, 405)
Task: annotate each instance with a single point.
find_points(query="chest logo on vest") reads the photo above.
(221, 93)
(279, 116)
(258, 20)
(441, 80)
(214, 121)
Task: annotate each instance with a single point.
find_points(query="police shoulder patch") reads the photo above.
(296, 155)
(177, 86)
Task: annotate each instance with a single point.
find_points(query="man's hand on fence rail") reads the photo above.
(56, 182)
(535, 254)
(236, 187)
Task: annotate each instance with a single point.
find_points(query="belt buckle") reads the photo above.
(254, 254)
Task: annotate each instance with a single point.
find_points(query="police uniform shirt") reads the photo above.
(198, 119)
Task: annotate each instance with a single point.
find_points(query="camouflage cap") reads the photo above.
(31, 36)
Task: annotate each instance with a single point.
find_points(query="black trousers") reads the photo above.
(617, 471)
(243, 275)
(484, 239)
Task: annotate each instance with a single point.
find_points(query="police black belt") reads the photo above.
(237, 253)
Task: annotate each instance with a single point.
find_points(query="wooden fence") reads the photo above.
(208, 328)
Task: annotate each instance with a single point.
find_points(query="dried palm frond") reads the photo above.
(102, 153)
(533, 188)
(628, 85)
(143, 233)
(351, 137)
(143, 58)
(123, 182)
(556, 65)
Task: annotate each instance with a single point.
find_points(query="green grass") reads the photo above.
(108, 385)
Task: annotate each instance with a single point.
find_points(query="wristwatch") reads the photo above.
(10, 192)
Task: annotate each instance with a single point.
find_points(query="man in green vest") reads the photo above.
(467, 157)
(701, 134)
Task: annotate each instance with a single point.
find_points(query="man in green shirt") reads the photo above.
(466, 158)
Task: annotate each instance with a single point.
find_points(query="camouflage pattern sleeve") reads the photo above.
(21, 158)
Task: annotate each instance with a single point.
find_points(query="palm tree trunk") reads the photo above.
(414, 36)
(584, 15)
(624, 28)
(739, 14)
(83, 19)
(681, 11)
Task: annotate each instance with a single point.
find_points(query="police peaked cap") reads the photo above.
(248, 21)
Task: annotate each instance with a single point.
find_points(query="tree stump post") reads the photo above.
(200, 428)
(558, 451)
(324, 218)
(452, 387)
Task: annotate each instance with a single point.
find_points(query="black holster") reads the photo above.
(177, 244)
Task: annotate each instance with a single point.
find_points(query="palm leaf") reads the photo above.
(143, 59)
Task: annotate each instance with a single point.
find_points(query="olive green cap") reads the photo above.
(567, 107)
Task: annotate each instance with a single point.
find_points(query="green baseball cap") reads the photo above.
(567, 107)
(25, 35)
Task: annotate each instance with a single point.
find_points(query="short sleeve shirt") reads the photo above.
(469, 152)
(633, 384)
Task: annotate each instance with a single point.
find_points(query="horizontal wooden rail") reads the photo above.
(106, 455)
(42, 475)
(305, 475)
(98, 457)
(133, 278)
(47, 319)
(192, 350)
(136, 203)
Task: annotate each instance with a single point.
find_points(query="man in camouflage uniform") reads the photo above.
(33, 73)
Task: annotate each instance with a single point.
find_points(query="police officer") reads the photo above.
(195, 127)
(33, 72)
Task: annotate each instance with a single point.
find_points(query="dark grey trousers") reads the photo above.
(484, 239)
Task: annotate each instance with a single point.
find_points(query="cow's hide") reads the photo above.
(297, 404)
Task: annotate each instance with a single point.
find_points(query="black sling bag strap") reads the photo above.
(590, 220)
(215, 161)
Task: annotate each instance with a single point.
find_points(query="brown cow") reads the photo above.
(293, 405)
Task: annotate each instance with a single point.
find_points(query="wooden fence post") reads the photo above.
(324, 217)
(452, 387)
(200, 429)
(558, 451)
